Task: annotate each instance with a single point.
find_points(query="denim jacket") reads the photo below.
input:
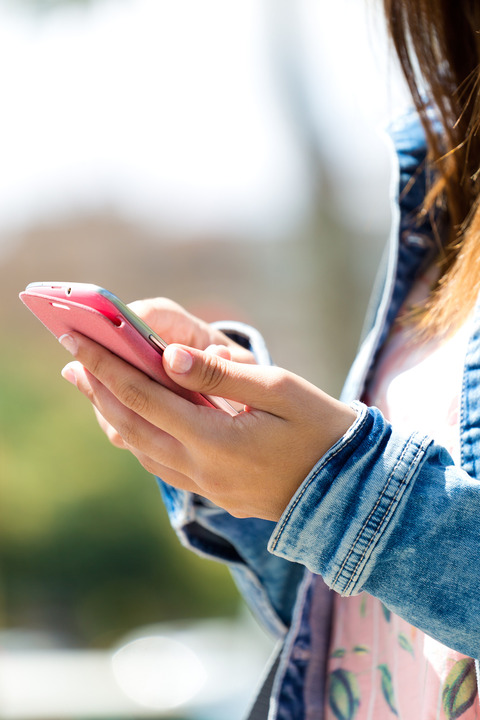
(381, 511)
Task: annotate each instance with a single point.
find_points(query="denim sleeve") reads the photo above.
(392, 515)
(267, 582)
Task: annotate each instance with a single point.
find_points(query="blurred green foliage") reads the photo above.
(86, 549)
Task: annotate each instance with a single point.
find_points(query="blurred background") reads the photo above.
(228, 154)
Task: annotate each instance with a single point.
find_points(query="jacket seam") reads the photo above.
(375, 536)
(367, 521)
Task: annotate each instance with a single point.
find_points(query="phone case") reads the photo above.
(108, 327)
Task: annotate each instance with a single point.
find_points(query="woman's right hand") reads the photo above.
(250, 464)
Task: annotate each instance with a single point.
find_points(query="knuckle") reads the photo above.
(212, 373)
(279, 381)
(134, 397)
(129, 435)
(205, 480)
(96, 367)
(210, 483)
(150, 309)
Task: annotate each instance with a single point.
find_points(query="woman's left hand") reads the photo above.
(250, 464)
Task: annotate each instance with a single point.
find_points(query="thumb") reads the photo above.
(211, 374)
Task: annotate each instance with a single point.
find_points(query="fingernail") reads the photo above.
(180, 361)
(69, 375)
(69, 343)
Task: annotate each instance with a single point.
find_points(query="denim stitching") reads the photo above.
(374, 535)
(371, 513)
(320, 467)
(372, 541)
(420, 450)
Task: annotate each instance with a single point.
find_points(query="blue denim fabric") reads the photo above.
(382, 512)
(393, 516)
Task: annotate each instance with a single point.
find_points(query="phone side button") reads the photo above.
(155, 342)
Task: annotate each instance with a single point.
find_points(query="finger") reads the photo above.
(150, 400)
(172, 477)
(219, 350)
(70, 372)
(259, 387)
(124, 427)
(172, 321)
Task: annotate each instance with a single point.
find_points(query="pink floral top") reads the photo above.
(381, 667)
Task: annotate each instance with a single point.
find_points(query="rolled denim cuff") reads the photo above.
(342, 515)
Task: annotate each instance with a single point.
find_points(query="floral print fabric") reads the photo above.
(381, 667)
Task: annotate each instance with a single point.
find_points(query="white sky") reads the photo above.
(176, 110)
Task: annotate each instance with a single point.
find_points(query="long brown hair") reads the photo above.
(438, 46)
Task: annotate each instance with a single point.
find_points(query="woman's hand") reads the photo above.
(175, 324)
(250, 464)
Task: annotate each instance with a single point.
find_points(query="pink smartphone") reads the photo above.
(98, 314)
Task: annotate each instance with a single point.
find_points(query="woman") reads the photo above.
(376, 496)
